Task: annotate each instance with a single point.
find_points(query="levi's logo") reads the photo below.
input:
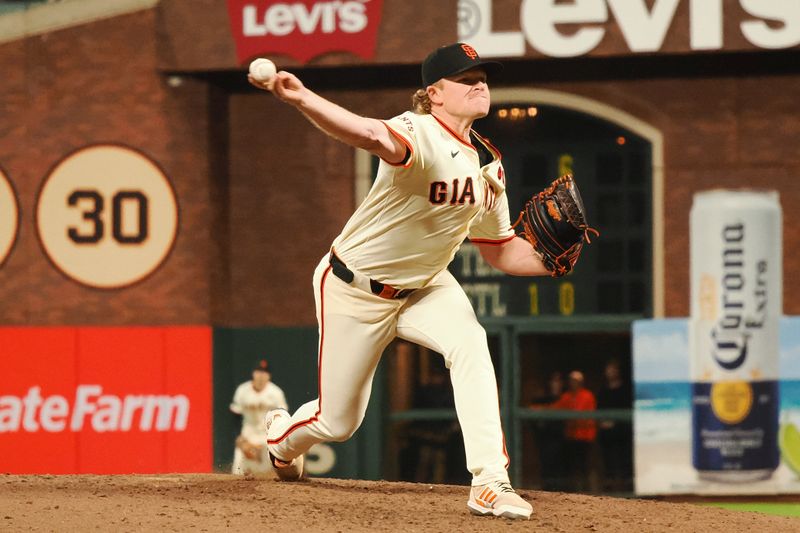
(304, 29)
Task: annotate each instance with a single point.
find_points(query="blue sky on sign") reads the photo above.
(661, 349)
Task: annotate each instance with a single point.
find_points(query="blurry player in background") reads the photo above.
(579, 434)
(253, 400)
(616, 437)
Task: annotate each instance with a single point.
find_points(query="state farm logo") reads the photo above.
(91, 409)
(304, 29)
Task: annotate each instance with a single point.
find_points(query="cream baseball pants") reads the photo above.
(355, 327)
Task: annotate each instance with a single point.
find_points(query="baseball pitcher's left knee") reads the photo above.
(341, 428)
(472, 348)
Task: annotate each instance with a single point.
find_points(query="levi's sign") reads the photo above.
(304, 29)
(568, 29)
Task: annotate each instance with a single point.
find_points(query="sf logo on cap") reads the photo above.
(471, 53)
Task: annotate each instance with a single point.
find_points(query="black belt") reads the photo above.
(341, 271)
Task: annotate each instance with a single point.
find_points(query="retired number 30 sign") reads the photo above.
(107, 216)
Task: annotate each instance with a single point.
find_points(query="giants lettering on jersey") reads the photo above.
(438, 193)
(304, 29)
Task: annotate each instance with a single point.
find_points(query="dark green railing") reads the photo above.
(508, 330)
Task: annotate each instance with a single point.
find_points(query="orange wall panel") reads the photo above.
(105, 400)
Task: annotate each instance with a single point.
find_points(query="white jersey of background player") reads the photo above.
(386, 275)
(253, 400)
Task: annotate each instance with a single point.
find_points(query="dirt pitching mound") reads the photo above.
(214, 502)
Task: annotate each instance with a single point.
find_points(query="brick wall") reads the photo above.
(262, 193)
(98, 83)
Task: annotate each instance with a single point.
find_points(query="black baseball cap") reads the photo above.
(262, 365)
(451, 60)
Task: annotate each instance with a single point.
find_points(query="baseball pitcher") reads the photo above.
(385, 275)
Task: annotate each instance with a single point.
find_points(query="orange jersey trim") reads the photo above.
(406, 162)
(454, 134)
(494, 242)
(492, 148)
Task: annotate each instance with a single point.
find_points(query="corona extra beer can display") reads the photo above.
(736, 291)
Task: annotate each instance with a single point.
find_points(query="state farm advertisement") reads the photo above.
(105, 400)
(304, 29)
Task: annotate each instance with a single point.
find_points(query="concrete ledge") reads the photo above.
(44, 18)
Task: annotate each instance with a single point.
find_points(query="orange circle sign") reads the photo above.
(107, 216)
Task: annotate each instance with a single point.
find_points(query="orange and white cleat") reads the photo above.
(499, 499)
(277, 420)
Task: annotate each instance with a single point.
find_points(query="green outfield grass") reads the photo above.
(781, 509)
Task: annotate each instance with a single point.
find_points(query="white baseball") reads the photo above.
(262, 69)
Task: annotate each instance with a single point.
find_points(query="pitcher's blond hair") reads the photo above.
(421, 102)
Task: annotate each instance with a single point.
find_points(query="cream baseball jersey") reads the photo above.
(420, 210)
(253, 405)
